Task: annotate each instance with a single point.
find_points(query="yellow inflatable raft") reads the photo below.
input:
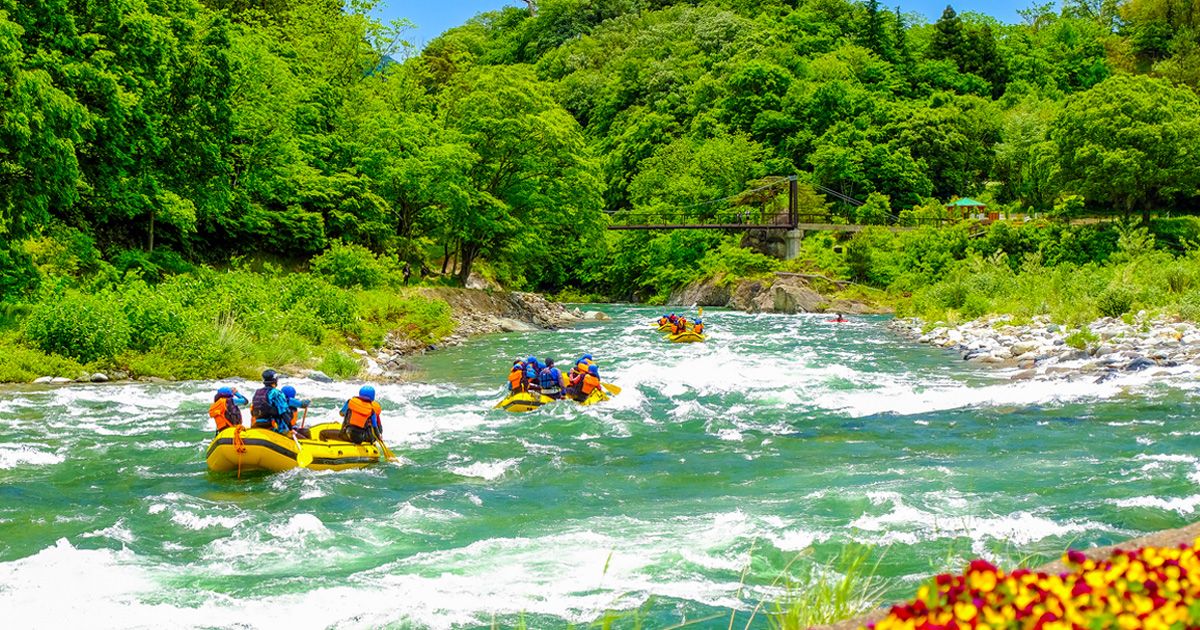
(688, 336)
(665, 327)
(262, 449)
(529, 401)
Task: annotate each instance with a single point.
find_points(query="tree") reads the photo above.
(875, 36)
(1130, 143)
(949, 40)
(40, 128)
(1026, 159)
(534, 182)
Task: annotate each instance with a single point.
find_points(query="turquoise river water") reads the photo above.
(686, 496)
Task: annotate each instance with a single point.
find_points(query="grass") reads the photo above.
(845, 587)
(208, 324)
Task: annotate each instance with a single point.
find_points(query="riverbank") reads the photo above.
(475, 312)
(167, 334)
(1041, 349)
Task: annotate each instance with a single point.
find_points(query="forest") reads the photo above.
(145, 139)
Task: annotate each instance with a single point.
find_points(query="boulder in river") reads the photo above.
(99, 377)
(319, 376)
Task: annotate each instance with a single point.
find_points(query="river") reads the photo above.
(774, 446)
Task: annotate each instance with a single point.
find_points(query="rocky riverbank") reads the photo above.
(475, 312)
(778, 293)
(1043, 349)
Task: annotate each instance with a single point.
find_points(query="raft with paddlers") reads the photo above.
(237, 449)
(521, 402)
(688, 336)
(680, 330)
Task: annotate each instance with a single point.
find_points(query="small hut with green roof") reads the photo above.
(967, 208)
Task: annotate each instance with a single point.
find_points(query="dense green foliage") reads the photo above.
(143, 140)
(215, 129)
(203, 323)
(1075, 274)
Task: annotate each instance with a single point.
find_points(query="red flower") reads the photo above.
(1076, 557)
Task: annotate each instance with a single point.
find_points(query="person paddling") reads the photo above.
(224, 410)
(361, 421)
(269, 407)
(295, 405)
(588, 384)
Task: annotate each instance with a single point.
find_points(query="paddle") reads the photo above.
(303, 457)
(387, 452)
(612, 389)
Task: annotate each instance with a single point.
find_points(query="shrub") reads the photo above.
(83, 327)
(1189, 306)
(349, 266)
(334, 307)
(152, 316)
(1115, 301)
(1081, 339)
(340, 365)
(22, 364)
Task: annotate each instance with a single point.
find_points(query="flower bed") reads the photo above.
(1152, 588)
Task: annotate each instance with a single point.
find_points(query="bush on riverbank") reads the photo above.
(1075, 274)
(209, 324)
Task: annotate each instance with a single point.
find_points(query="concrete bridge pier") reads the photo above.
(793, 239)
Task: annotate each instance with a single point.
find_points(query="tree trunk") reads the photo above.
(150, 242)
(445, 256)
(468, 257)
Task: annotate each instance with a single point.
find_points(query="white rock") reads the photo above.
(43, 379)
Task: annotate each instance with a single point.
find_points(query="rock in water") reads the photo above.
(99, 377)
(1139, 364)
(319, 376)
(43, 380)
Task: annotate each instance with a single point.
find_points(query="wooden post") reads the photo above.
(793, 201)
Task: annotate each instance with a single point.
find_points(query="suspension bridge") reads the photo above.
(773, 205)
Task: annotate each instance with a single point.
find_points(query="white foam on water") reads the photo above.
(28, 455)
(118, 531)
(1183, 506)
(197, 523)
(910, 398)
(910, 525)
(489, 471)
(300, 526)
(1189, 459)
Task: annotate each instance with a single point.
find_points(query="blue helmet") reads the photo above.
(594, 371)
(225, 392)
(699, 321)
(289, 391)
(367, 393)
(587, 357)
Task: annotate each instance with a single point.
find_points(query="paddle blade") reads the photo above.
(304, 458)
(612, 389)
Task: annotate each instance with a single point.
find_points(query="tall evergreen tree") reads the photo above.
(874, 33)
(948, 39)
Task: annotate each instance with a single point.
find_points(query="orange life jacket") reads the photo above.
(516, 380)
(225, 413)
(361, 410)
(590, 383)
(699, 328)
